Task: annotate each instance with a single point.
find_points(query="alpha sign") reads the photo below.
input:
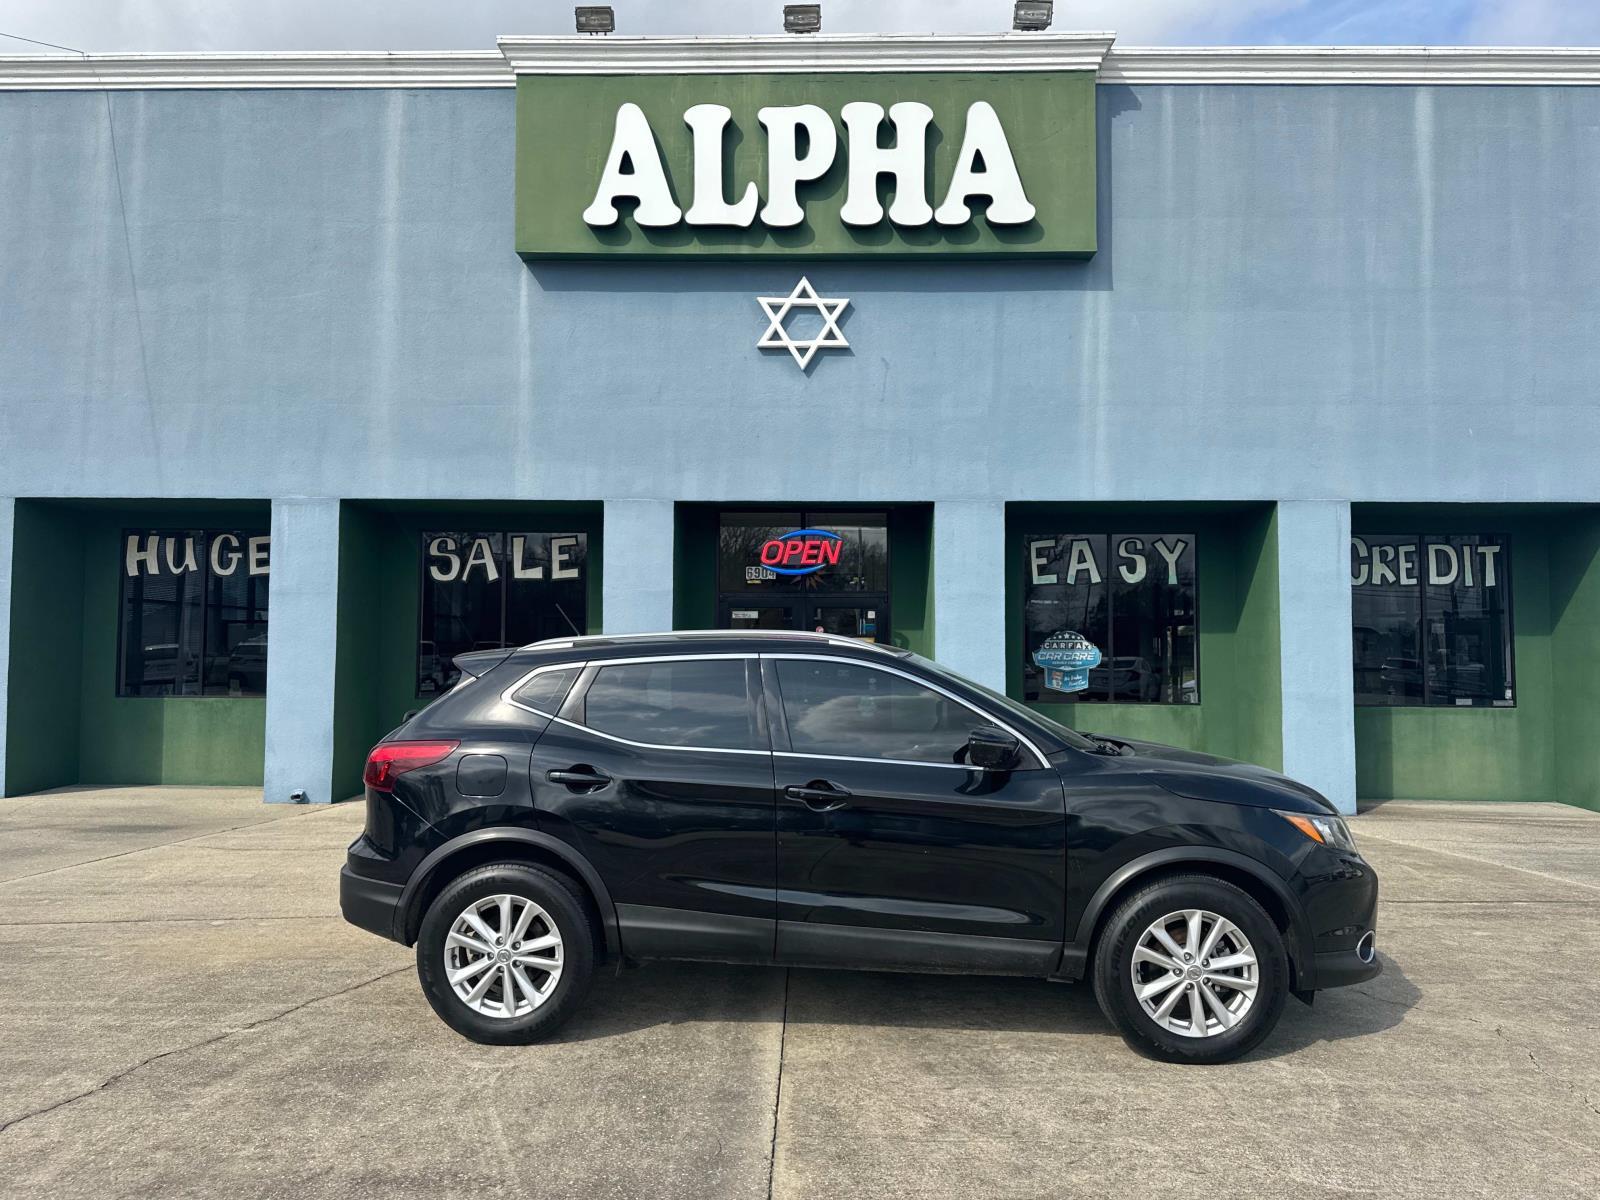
(814, 166)
(802, 144)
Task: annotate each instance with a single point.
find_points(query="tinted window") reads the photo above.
(841, 708)
(489, 590)
(700, 702)
(1432, 620)
(1131, 595)
(194, 613)
(546, 690)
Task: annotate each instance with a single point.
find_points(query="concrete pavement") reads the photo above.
(183, 1013)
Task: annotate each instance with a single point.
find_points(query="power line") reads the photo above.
(17, 37)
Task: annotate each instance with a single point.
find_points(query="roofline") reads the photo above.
(1487, 65)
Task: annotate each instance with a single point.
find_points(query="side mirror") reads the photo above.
(992, 748)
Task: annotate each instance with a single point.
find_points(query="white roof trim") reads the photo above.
(1353, 64)
(332, 69)
(788, 53)
(572, 55)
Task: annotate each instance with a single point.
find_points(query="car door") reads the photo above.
(892, 851)
(658, 770)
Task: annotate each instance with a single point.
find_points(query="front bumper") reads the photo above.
(1341, 968)
(370, 904)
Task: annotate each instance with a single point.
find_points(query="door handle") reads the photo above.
(824, 798)
(579, 777)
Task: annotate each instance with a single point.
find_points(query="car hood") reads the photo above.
(1207, 777)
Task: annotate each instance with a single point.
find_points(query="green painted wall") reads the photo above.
(911, 577)
(694, 568)
(1575, 657)
(67, 724)
(1240, 713)
(44, 681)
(565, 125)
(380, 581)
(1542, 749)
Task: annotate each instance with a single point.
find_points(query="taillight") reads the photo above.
(391, 759)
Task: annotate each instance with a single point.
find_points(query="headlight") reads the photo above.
(1330, 831)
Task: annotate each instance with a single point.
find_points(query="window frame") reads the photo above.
(1423, 540)
(784, 748)
(1112, 535)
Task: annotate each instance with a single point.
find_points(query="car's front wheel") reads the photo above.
(1191, 969)
(505, 953)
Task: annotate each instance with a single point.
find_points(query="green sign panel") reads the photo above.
(814, 166)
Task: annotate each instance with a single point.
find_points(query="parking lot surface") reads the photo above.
(184, 1013)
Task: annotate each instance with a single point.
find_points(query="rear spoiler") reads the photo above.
(479, 663)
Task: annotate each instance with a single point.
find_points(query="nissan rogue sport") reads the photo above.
(808, 800)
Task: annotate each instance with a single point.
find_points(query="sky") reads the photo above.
(117, 26)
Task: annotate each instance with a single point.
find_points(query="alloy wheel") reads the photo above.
(1194, 973)
(503, 956)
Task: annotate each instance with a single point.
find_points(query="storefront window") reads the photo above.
(193, 613)
(850, 552)
(487, 591)
(1130, 595)
(1432, 620)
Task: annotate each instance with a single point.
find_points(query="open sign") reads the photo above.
(801, 552)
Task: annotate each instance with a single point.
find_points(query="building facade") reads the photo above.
(1269, 374)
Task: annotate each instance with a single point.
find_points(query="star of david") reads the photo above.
(777, 335)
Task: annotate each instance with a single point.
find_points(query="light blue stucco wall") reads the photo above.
(303, 622)
(1359, 293)
(1314, 640)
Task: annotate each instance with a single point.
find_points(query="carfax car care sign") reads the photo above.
(819, 166)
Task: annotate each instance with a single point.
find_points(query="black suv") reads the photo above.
(816, 801)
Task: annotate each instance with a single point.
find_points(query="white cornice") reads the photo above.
(1352, 64)
(334, 69)
(788, 53)
(991, 52)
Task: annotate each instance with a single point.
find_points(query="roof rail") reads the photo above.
(593, 639)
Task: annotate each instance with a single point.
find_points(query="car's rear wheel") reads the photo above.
(1191, 969)
(505, 953)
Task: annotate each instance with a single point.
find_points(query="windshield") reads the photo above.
(1013, 707)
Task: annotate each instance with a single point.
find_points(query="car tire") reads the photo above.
(1236, 1018)
(542, 999)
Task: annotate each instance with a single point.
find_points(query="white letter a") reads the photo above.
(646, 181)
(1008, 203)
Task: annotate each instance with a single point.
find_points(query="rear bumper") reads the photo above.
(370, 904)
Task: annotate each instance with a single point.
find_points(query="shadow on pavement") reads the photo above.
(672, 993)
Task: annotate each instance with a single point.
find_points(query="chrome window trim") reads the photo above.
(989, 718)
(611, 737)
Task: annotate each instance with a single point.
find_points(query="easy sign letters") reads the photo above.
(802, 144)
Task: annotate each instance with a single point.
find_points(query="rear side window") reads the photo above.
(696, 702)
(858, 712)
(546, 690)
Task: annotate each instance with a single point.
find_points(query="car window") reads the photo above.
(693, 702)
(842, 708)
(546, 690)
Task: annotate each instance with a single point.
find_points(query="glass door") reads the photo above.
(865, 618)
(759, 612)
